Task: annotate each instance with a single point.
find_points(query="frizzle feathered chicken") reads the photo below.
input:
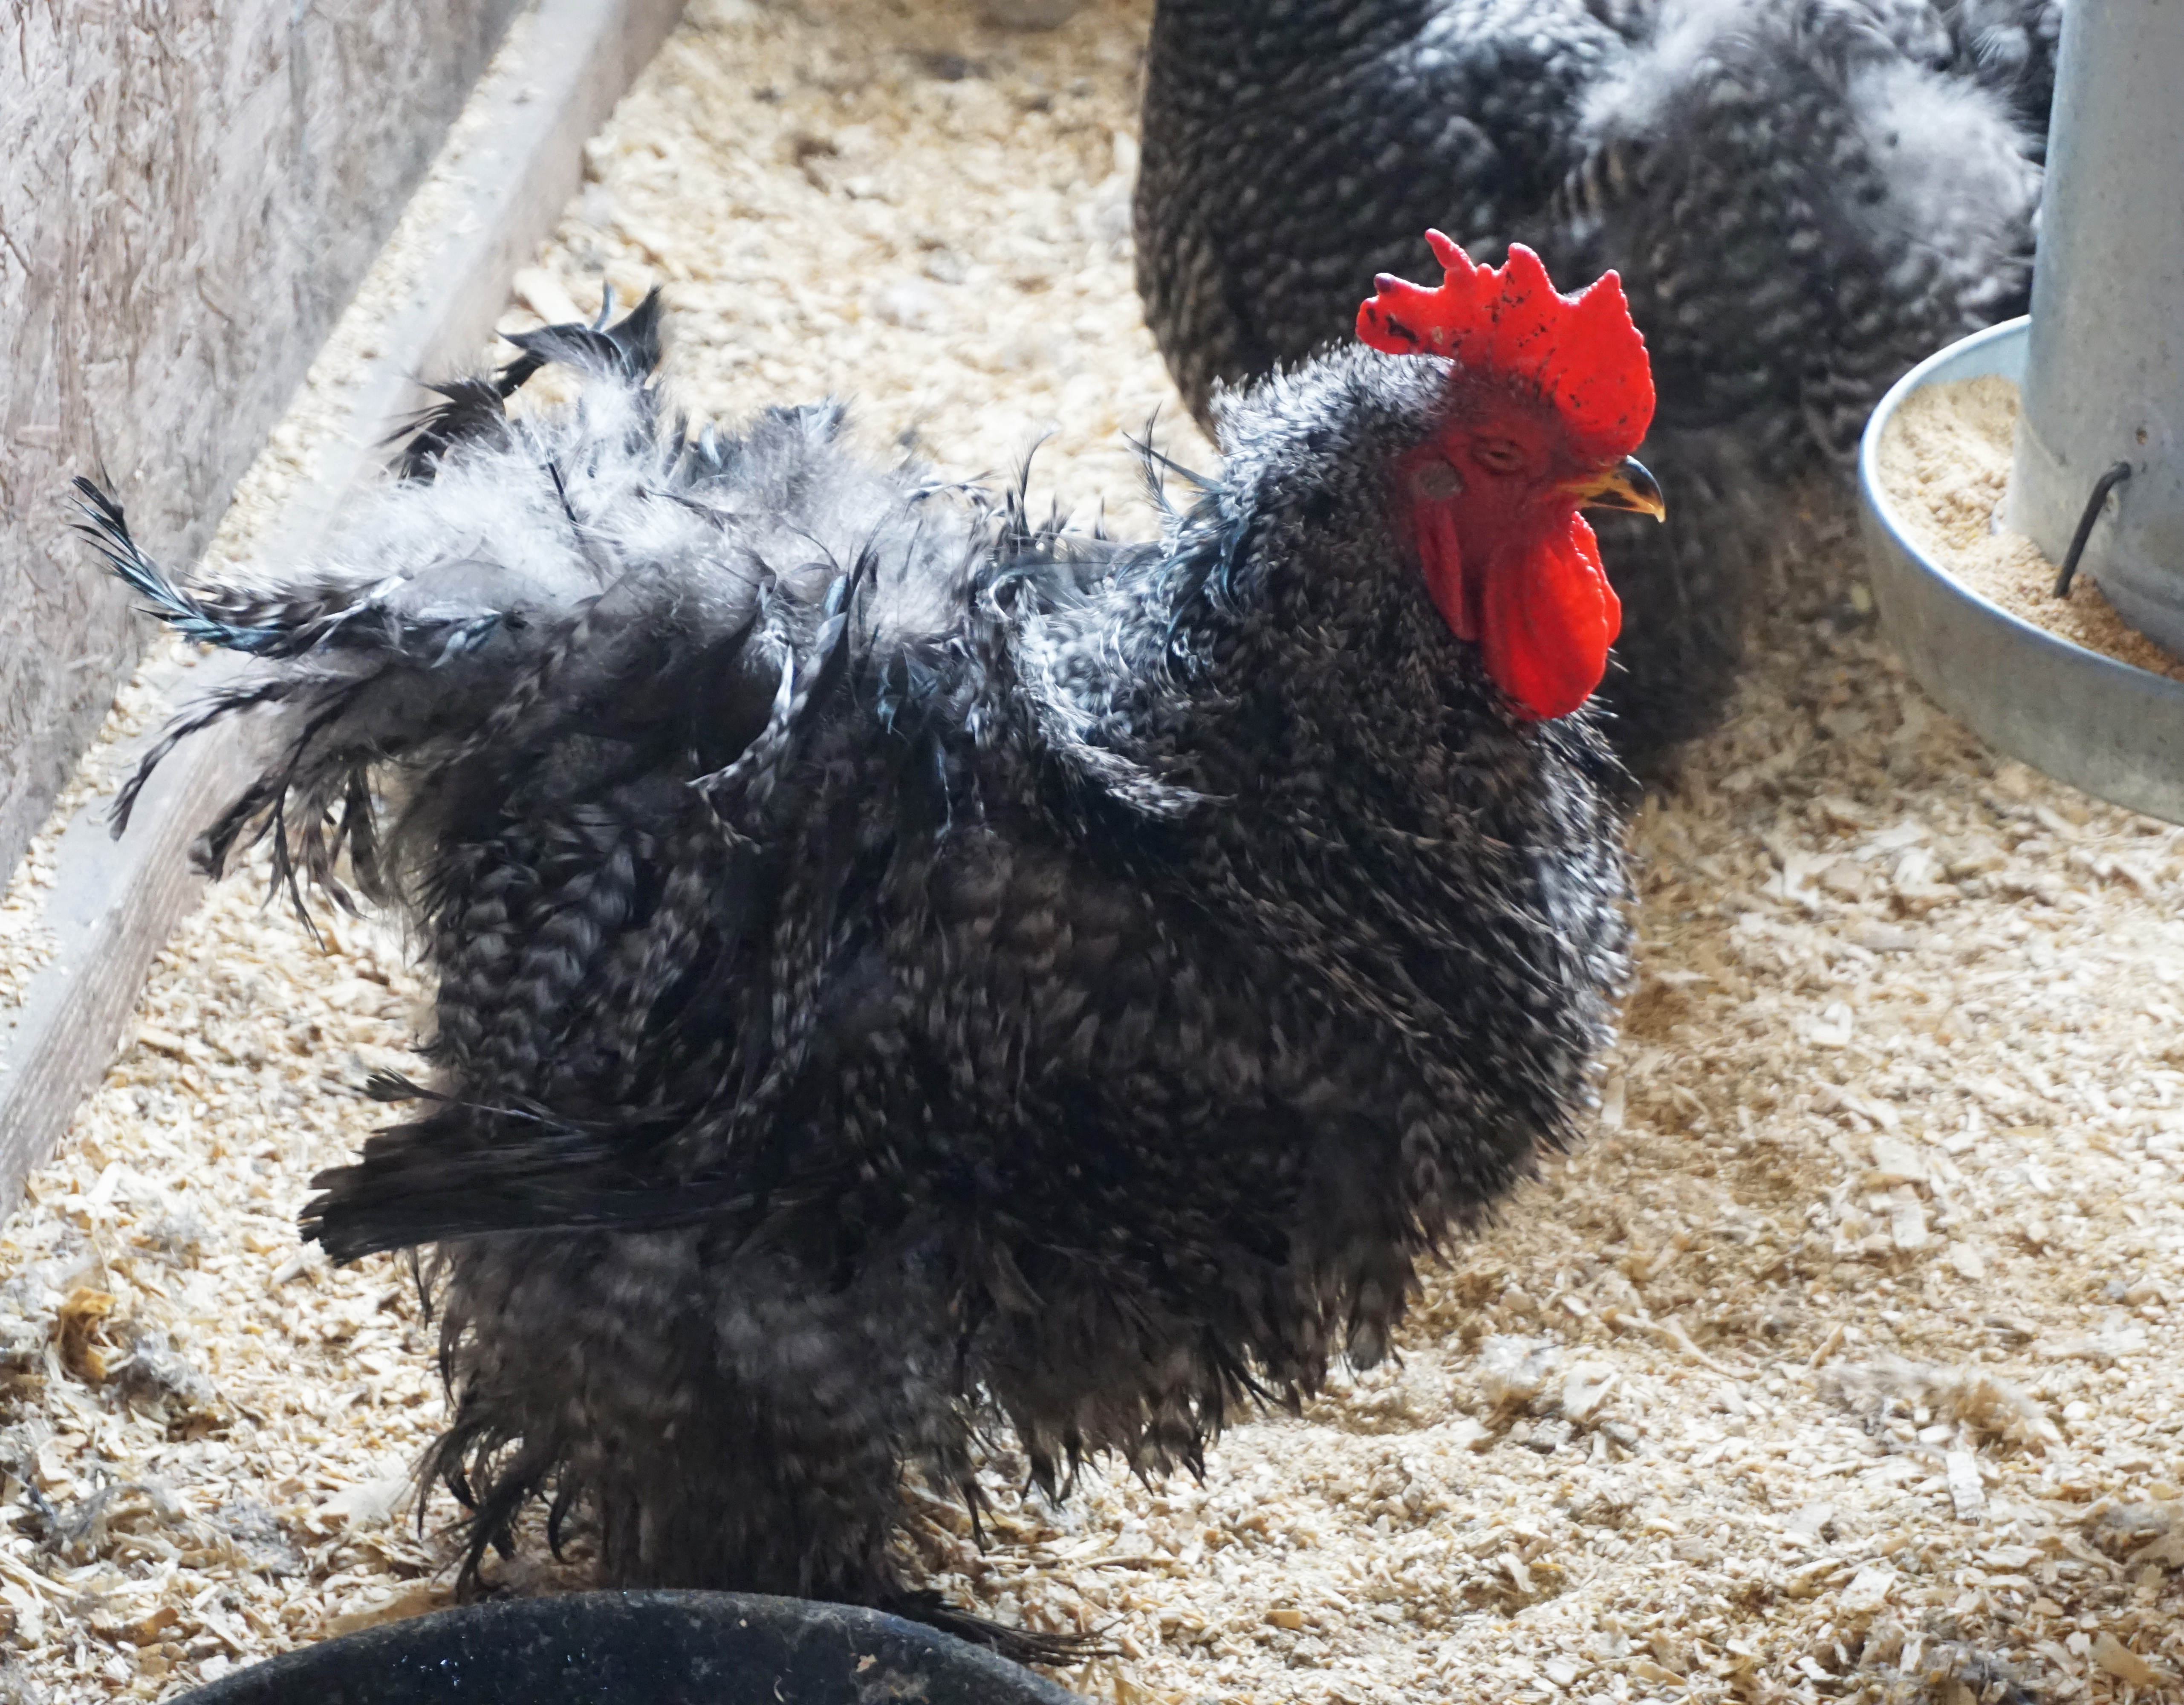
(1803, 197)
(897, 964)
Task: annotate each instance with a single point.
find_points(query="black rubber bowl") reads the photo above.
(639, 1648)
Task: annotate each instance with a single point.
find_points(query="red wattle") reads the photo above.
(1547, 618)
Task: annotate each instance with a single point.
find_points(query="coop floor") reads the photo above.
(1842, 1360)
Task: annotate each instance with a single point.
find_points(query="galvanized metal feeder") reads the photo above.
(2099, 467)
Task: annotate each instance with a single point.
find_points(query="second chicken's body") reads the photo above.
(1802, 197)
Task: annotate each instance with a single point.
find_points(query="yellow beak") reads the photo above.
(1626, 486)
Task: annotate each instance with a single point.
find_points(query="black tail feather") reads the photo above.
(217, 708)
(106, 525)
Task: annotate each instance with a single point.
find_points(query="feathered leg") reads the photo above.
(729, 1419)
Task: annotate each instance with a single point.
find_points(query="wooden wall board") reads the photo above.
(193, 190)
(114, 902)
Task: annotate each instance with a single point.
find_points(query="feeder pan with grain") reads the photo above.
(2100, 369)
(638, 1648)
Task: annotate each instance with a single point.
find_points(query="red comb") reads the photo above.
(1581, 353)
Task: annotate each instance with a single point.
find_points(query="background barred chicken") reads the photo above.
(1803, 198)
(899, 966)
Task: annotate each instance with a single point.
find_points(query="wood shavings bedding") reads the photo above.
(1841, 1363)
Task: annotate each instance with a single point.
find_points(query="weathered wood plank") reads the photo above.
(194, 189)
(113, 903)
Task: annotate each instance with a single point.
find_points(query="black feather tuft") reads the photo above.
(470, 411)
(382, 1085)
(475, 410)
(629, 349)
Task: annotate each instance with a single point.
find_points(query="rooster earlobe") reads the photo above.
(1440, 558)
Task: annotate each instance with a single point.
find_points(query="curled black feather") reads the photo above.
(107, 526)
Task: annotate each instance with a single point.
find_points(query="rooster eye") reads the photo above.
(1498, 456)
(1435, 482)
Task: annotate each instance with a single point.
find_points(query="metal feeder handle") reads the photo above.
(2107, 482)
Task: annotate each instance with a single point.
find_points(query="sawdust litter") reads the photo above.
(1841, 1363)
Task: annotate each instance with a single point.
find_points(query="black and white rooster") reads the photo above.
(897, 964)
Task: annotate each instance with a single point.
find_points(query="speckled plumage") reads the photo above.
(898, 965)
(1802, 197)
